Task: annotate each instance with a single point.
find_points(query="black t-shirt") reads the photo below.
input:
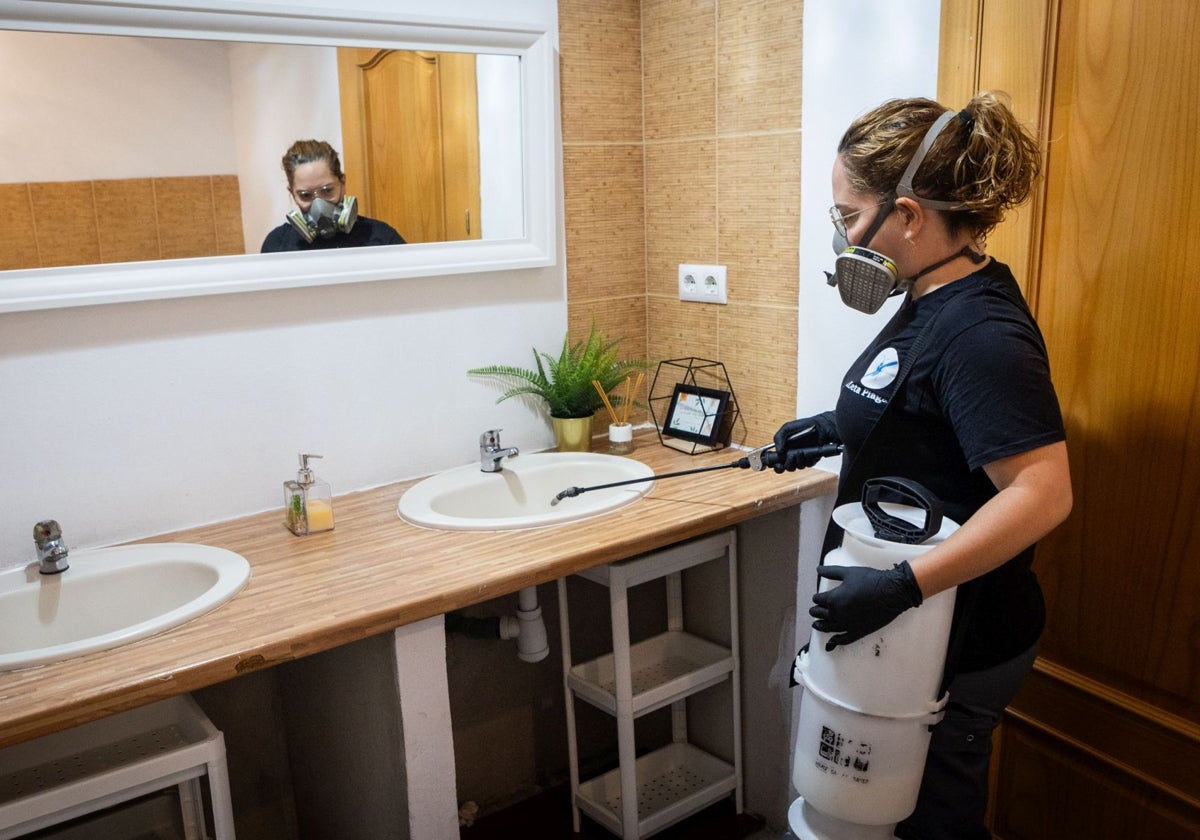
(979, 391)
(366, 231)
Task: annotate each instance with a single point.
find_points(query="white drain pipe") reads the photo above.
(527, 627)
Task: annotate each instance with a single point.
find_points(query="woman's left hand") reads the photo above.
(865, 600)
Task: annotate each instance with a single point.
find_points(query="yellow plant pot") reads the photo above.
(574, 434)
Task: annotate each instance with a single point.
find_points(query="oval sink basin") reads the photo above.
(524, 494)
(109, 597)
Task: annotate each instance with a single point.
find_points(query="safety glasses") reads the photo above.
(839, 218)
(326, 192)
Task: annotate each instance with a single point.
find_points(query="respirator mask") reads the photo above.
(324, 219)
(866, 279)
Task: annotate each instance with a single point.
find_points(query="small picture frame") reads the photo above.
(699, 415)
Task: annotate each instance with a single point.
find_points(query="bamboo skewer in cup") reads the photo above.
(620, 431)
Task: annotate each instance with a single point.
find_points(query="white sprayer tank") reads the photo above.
(867, 707)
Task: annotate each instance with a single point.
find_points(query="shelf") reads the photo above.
(665, 668)
(79, 771)
(672, 783)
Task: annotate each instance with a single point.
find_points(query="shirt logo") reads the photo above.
(881, 372)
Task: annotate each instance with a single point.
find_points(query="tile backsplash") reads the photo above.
(64, 223)
(681, 144)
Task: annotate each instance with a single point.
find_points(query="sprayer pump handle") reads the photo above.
(902, 491)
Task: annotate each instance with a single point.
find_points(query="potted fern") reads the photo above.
(564, 382)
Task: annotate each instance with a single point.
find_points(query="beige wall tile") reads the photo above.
(678, 61)
(600, 66)
(227, 198)
(66, 223)
(681, 210)
(758, 214)
(605, 221)
(622, 319)
(618, 319)
(676, 329)
(128, 221)
(18, 240)
(758, 65)
(185, 216)
(758, 346)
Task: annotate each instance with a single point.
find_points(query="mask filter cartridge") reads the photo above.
(865, 279)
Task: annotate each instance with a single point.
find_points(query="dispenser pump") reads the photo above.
(308, 501)
(304, 476)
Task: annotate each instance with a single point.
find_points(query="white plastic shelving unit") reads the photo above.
(646, 794)
(79, 771)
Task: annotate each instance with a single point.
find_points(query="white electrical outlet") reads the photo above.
(702, 283)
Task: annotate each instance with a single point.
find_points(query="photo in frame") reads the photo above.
(699, 415)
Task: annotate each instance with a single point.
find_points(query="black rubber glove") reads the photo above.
(864, 601)
(805, 433)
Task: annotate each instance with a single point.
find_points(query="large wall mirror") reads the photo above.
(179, 116)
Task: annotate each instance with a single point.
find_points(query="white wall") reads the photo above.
(137, 118)
(128, 420)
(498, 78)
(857, 53)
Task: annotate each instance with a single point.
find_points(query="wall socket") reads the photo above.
(702, 283)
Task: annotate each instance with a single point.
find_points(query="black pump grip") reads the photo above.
(905, 492)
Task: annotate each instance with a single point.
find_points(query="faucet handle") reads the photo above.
(490, 438)
(46, 532)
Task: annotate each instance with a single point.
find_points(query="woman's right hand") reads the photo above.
(795, 440)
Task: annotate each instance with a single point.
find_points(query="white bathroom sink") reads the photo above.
(109, 597)
(524, 494)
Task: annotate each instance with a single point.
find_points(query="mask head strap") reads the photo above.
(885, 210)
(905, 187)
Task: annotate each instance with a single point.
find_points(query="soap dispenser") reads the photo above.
(307, 501)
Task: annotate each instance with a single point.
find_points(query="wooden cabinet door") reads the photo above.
(1104, 739)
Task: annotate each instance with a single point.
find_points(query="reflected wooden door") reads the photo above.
(1104, 739)
(410, 128)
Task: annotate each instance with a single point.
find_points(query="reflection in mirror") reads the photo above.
(136, 148)
(282, 104)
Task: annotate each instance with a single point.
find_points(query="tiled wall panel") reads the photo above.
(714, 113)
(127, 220)
(18, 236)
(65, 220)
(600, 70)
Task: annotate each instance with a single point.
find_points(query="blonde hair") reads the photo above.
(986, 161)
(310, 151)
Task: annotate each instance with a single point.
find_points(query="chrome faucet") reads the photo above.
(491, 453)
(51, 549)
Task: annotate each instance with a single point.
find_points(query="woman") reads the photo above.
(955, 394)
(327, 217)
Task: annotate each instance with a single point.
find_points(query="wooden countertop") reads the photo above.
(375, 573)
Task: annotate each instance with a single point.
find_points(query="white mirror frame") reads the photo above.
(50, 288)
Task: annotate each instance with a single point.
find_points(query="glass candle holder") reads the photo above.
(620, 438)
